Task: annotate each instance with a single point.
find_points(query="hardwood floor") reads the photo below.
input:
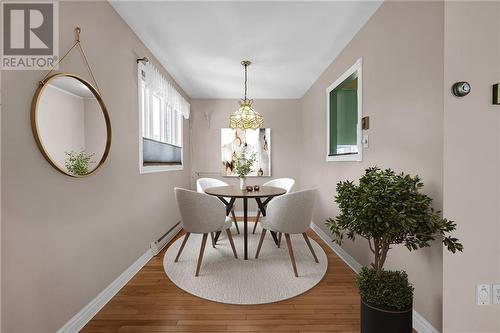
(151, 303)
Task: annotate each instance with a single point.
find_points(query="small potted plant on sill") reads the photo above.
(388, 209)
(243, 167)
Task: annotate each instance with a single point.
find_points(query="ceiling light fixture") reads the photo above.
(246, 117)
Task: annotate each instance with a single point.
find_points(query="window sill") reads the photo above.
(160, 168)
(344, 158)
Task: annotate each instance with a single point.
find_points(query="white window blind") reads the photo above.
(162, 107)
(161, 112)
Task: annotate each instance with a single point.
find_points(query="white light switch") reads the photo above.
(496, 294)
(483, 294)
(365, 141)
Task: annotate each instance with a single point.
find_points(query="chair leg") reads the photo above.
(213, 239)
(235, 221)
(290, 252)
(279, 239)
(200, 257)
(260, 243)
(256, 221)
(231, 242)
(182, 246)
(310, 247)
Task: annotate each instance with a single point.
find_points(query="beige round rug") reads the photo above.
(236, 281)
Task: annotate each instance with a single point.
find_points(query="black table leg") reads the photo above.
(245, 223)
(274, 237)
(261, 206)
(229, 205)
(216, 238)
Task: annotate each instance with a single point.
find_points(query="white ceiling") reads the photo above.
(201, 44)
(72, 85)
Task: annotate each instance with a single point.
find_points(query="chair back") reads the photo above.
(204, 183)
(291, 213)
(200, 212)
(285, 183)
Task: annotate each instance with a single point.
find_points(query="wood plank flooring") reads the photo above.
(150, 302)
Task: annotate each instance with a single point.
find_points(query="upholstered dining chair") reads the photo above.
(285, 183)
(201, 214)
(290, 214)
(204, 183)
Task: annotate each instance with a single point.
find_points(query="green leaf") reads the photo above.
(243, 164)
(385, 289)
(77, 163)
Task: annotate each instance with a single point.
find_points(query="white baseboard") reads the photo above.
(156, 247)
(420, 324)
(350, 261)
(79, 320)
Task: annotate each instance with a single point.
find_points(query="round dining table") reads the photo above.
(261, 196)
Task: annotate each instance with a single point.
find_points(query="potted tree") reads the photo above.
(388, 209)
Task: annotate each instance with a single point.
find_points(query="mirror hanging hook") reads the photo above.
(77, 32)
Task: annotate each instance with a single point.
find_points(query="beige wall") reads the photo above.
(281, 115)
(402, 50)
(472, 163)
(95, 130)
(63, 239)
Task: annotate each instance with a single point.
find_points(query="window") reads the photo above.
(344, 116)
(161, 112)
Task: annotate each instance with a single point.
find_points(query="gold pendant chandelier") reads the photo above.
(246, 117)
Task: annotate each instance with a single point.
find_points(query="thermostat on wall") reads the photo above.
(460, 89)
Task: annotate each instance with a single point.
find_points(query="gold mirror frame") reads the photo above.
(36, 132)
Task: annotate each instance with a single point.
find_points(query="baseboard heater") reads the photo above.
(159, 244)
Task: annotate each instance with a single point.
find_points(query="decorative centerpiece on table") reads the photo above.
(388, 209)
(243, 166)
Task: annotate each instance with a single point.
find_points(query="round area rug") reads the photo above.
(225, 279)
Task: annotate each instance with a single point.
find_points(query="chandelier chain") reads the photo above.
(246, 81)
(246, 117)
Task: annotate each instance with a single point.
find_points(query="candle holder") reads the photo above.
(256, 187)
(249, 188)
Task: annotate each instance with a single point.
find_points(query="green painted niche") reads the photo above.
(343, 111)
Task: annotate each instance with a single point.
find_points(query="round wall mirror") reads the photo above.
(71, 124)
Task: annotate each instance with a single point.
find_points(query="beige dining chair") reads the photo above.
(201, 214)
(290, 214)
(204, 183)
(284, 183)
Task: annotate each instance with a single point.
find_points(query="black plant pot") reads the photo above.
(374, 320)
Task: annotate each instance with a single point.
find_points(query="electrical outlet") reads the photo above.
(483, 294)
(496, 294)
